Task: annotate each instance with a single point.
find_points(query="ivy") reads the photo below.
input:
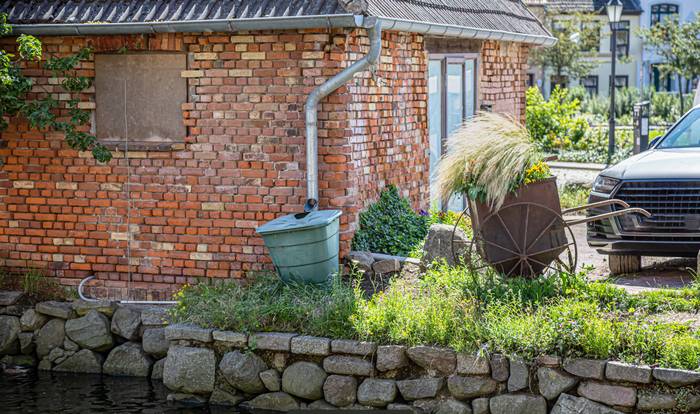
(42, 113)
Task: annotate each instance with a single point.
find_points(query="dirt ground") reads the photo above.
(657, 272)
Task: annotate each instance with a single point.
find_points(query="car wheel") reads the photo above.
(624, 264)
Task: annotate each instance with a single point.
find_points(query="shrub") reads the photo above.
(390, 226)
(554, 123)
(574, 195)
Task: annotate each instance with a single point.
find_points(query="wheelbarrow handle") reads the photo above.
(611, 214)
(604, 203)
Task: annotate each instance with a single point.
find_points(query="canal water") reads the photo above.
(45, 392)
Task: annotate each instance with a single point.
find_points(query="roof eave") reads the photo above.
(465, 32)
(192, 26)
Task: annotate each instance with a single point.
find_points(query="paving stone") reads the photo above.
(433, 359)
(376, 392)
(552, 361)
(311, 345)
(500, 367)
(465, 388)
(568, 404)
(304, 380)
(179, 332)
(608, 394)
(235, 339)
(468, 364)
(190, 369)
(32, 320)
(340, 390)
(676, 377)
(62, 310)
(347, 365)
(126, 322)
(271, 341)
(553, 382)
(585, 368)
(655, 401)
(519, 378)
(347, 346)
(417, 389)
(620, 371)
(9, 298)
(391, 357)
(518, 404)
(271, 380)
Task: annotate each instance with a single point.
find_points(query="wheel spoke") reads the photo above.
(543, 232)
(500, 247)
(527, 222)
(510, 236)
(564, 246)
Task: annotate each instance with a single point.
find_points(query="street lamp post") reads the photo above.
(614, 9)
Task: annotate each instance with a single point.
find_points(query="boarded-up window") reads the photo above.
(139, 97)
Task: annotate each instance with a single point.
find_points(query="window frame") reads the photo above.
(445, 59)
(623, 26)
(656, 15)
(136, 142)
(618, 77)
(592, 89)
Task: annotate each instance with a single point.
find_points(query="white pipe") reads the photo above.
(132, 302)
(372, 57)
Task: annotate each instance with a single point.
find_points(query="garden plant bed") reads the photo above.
(284, 371)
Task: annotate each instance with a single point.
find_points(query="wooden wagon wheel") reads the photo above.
(522, 239)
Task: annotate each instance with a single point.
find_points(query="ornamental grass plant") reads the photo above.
(487, 158)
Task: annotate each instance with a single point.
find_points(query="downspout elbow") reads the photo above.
(312, 104)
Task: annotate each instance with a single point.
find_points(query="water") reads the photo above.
(45, 392)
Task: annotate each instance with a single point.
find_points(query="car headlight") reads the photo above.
(605, 185)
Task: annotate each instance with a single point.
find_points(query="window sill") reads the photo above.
(144, 146)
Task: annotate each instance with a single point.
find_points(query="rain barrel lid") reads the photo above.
(301, 221)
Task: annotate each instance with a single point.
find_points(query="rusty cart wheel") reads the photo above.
(523, 239)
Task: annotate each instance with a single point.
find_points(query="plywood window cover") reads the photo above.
(154, 91)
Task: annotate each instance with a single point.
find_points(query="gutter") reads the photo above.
(192, 26)
(462, 32)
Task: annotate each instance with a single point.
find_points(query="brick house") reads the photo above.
(205, 106)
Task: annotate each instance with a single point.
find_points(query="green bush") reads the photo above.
(554, 124)
(390, 226)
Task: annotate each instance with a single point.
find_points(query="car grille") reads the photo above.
(674, 205)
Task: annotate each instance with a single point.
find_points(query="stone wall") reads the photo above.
(284, 371)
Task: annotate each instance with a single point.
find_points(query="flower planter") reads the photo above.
(526, 234)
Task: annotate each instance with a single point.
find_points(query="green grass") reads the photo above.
(574, 196)
(36, 285)
(561, 314)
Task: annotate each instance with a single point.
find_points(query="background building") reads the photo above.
(629, 45)
(655, 11)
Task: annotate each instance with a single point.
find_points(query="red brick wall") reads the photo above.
(194, 208)
(504, 76)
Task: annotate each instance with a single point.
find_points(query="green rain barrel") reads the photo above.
(304, 247)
